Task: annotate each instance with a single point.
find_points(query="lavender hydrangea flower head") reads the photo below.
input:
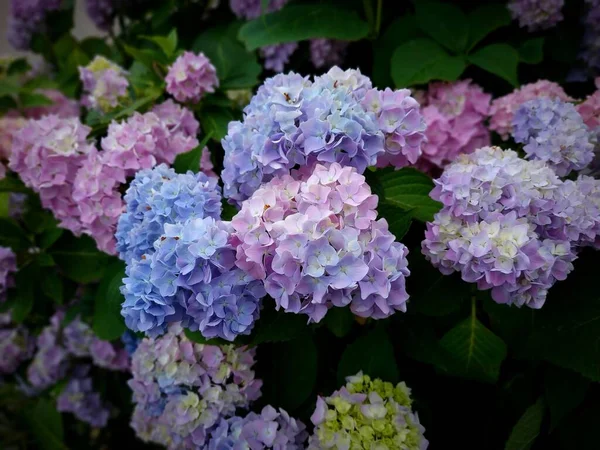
(8, 266)
(367, 413)
(101, 12)
(79, 398)
(338, 117)
(16, 345)
(327, 52)
(316, 244)
(191, 77)
(591, 37)
(50, 362)
(182, 389)
(26, 18)
(536, 14)
(158, 196)
(104, 83)
(553, 131)
(271, 429)
(276, 56)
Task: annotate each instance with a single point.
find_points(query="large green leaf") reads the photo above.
(236, 67)
(26, 280)
(215, 120)
(32, 99)
(484, 19)
(373, 354)
(422, 60)
(301, 22)
(561, 400)
(339, 321)
(398, 219)
(79, 259)
(11, 184)
(52, 286)
(445, 23)
(527, 428)
(408, 189)
(191, 160)
(277, 326)
(168, 44)
(12, 235)
(532, 51)
(473, 351)
(499, 59)
(108, 324)
(46, 425)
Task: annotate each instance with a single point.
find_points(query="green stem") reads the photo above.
(378, 19)
(369, 13)
(473, 307)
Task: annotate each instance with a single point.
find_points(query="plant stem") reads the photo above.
(369, 13)
(378, 19)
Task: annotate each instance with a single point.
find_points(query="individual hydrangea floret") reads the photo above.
(553, 131)
(271, 429)
(367, 414)
(338, 117)
(455, 114)
(182, 389)
(502, 109)
(27, 18)
(191, 77)
(316, 244)
(104, 83)
(79, 398)
(158, 196)
(8, 266)
(102, 13)
(536, 14)
(326, 53)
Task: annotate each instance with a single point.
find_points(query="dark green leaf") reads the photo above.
(422, 60)
(11, 235)
(236, 67)
(79, 259)
(49, 237)
(30, 99)
(473, 351)
(398, 219)
(196, 336)
(445, 23)
(293, 373)
(9, 86)
(373, 354)
(52, 287)
(12, 184)
(562, 400)
(18, 66)
(499, 59)
(190, 160)
(37, 221)
(339, 321)
(168, 44)
(277, 326)
(527, 428)
(63, 47)
(484, 19)
(7, 103)
(228, 210)
(532, 51)
(94, 46)
(108, 324)
(409, 189)
(5, 204)
(25, 281)
(44, 259)
(301, 22)
(215, 121)
(580, 431)
(145, 56)
(46, 425)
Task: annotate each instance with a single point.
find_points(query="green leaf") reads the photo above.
(190, 160)
(339, 321)
(485, 19)
(30, 100)
(145, 56)
(12, 184)
(49, 237)
(562, 401)
(398, 219)
(373, 354)
(532, 51)
(196, 336)
(18, 66)
(4, 204)
(94, 46)
(168, 44)
(79, 259)
(445, 23)
(499, 59)
(277, 326)
(295, 23)
(12, 235)
(25, 293)
(527, 428)
(422, 60)
(293, 373)
(52, 287)
(9, 86)
(409, 189)
(236, 67)
(228, 210)
(215, 121)
(473, 351)
(108, 324)
(46, 425)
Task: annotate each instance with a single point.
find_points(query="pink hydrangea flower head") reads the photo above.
(62, 106)
(190, 77)
(9, 126)
(536, 14)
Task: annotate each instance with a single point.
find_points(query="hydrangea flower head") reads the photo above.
(104, 83)
(158, 196)
(591, 40)
(191, 77)
(8, 266)
(553, 131)
(367, 413)
(16, 345)
(536, 14)
(182, 389)
(502, 109)
(338, 117)
(316, 244)
(327, 52)
(101, 12)
(27, 18)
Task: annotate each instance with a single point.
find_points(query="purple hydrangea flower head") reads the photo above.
(102, 13)
(251, 9)
(316, 244)
(8, 266)
(16, 345)
(276, 56)
(182, 389)
(367, 413)
(104, 83)
(191, 77)
(591, 37)
(326, 53)
(510, 225)
(553, 131)
(536, 14)
(158, 196)
(338, 117)
(271, 429)
(26, 18)
(79, 398)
